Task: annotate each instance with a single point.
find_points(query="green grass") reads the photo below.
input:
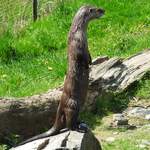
(144, 92)
(32, 76)
(124, 139)
(26, 56)
(129, 141)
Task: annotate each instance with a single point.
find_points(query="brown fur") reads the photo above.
(76, 82)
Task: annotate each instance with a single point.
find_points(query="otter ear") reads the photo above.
(91, 10)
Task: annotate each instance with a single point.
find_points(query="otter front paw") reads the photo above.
(83, 127)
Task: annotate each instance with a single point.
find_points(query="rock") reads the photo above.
(142, 146)
(147, 117)
(117, 117)
(146, 142)
(119, 120)
(147, 126)
(69, 140)
(115, 133)
(110, 139)
(138, 112)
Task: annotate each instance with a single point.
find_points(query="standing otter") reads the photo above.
(76, 82)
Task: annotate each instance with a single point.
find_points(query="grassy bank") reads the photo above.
(34, 59)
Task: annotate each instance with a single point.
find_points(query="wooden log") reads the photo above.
(116, 74)
(28, 116)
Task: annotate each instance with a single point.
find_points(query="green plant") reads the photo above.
(4, 147)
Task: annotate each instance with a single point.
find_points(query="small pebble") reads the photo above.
(115, 133)
(142, 146)
(147, 117)
(110, 139)
(145, 142)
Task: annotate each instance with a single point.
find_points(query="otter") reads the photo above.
(77, 78)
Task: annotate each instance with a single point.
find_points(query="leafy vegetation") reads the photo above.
(3, 147)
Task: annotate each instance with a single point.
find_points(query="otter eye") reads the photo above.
(91, 10)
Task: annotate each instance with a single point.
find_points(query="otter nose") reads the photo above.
(101, 10)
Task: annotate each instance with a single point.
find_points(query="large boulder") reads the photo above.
(69, 140)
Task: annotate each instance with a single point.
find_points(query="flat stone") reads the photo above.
(110, 139)
(69, 140)
(138, 112)
(115, 133)
(142, 146)
(118, 117)
(146, 142)
(119, 120)
(147, 117)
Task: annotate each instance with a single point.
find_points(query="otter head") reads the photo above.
(88, 12)
(84, 15)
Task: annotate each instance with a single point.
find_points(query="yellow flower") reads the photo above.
(4, 75)
(50, 68)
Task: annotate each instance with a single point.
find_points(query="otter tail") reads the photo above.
(52, 131)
